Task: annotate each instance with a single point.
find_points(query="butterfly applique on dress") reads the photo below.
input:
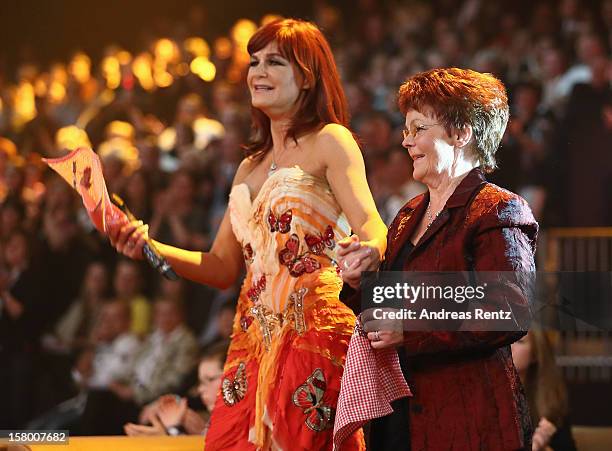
(309, 398)
(247, 253)
(296, 263)
(280, 224)
(234, 389)
(318, 243)
(256, 288)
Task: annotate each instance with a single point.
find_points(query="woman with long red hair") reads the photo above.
(301, 188)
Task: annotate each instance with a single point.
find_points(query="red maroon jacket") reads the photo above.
(467, 393)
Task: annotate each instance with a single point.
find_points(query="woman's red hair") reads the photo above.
(303, 44)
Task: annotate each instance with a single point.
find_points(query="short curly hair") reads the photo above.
(461, 97)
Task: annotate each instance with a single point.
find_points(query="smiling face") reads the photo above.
(274, 82)
(431, 149)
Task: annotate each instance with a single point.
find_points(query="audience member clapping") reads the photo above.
(170, 414)
(165, 359)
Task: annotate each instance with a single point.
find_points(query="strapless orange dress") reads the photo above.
(291, 332)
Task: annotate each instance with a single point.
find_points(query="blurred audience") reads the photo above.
(127, 284)
(186, 140)
(221, 322)
(178, 217)
(164, 361)
(534, 359)
(73, 330)
(108, 358)
(173, 415)
(20, 328)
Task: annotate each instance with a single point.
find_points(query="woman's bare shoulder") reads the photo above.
(247, 165)
(336, 143)
(334, 134)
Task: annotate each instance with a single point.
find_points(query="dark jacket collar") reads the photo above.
(417, 206)
(465, 191)
(462, 194)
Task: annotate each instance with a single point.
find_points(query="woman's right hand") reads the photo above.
(129, 238)
(355, 257)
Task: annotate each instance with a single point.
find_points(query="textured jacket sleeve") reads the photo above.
(502, 239)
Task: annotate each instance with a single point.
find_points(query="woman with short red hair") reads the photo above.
(301, 188)
(466, 393)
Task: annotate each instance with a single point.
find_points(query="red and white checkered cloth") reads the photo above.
(372, 379)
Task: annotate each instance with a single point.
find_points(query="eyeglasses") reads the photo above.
(415, 129)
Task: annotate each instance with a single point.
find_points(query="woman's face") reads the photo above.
(126, 280)
(431, 149)
(137, 187)
(16, 251)
(96, 279)
(166, 317)
(209, 375)
(521, 353)
(274, 82)
(9, 219)
(182, 188)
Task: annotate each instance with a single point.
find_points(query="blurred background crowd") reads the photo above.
(168, 114)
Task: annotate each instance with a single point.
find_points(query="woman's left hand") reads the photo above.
(382, 333)
(171, 410)
(136, 430)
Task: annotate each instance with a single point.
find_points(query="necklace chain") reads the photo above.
(273, 165)
(431, 218)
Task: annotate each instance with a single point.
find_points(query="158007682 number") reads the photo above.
(34, 436)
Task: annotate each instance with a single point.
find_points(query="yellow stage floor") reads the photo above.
(163, 443)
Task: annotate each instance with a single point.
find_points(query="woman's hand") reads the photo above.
(171, 410)
(148, 412)
(136, 430)
(348, 260)
(382, 333)
(129, 239)
(543, 434)
(355, 257)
